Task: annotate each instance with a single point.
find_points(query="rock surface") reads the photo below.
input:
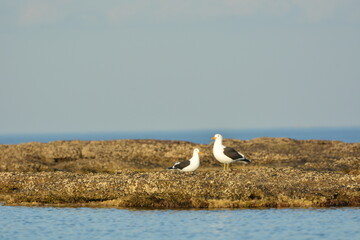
(130, 173)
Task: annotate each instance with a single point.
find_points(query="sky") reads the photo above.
(71, 66)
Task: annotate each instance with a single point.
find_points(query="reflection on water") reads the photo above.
(88, 223)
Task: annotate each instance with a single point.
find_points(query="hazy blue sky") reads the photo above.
(90, 66)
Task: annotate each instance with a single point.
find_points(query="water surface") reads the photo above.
(89, 223)
(197, 136)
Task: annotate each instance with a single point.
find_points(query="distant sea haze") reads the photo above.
(350, 134)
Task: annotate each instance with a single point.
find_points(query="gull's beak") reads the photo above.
(200, 153)
(213, 138)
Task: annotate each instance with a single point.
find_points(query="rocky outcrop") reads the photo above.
(246, 188)
(151, 155)
(131, 173)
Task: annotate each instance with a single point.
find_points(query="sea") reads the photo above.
(345, 134)
(34, 223)
(37, 223)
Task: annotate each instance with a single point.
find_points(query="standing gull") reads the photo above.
(189, 165)
(226, 155)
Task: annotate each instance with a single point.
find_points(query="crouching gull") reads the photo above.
(189, 165)
(226, 155)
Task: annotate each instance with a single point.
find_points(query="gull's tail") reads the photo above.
(244, 160)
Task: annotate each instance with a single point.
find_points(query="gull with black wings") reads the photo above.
(226, 155)
(189, 165)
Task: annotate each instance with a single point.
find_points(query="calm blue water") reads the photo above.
(198, 136)
(85, 223)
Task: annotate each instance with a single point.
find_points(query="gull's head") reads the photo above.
(216, 136)
(197, 151)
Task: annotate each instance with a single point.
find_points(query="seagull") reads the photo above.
(226, 155)
(189, 165)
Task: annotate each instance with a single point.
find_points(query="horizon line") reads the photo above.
(182, 130)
